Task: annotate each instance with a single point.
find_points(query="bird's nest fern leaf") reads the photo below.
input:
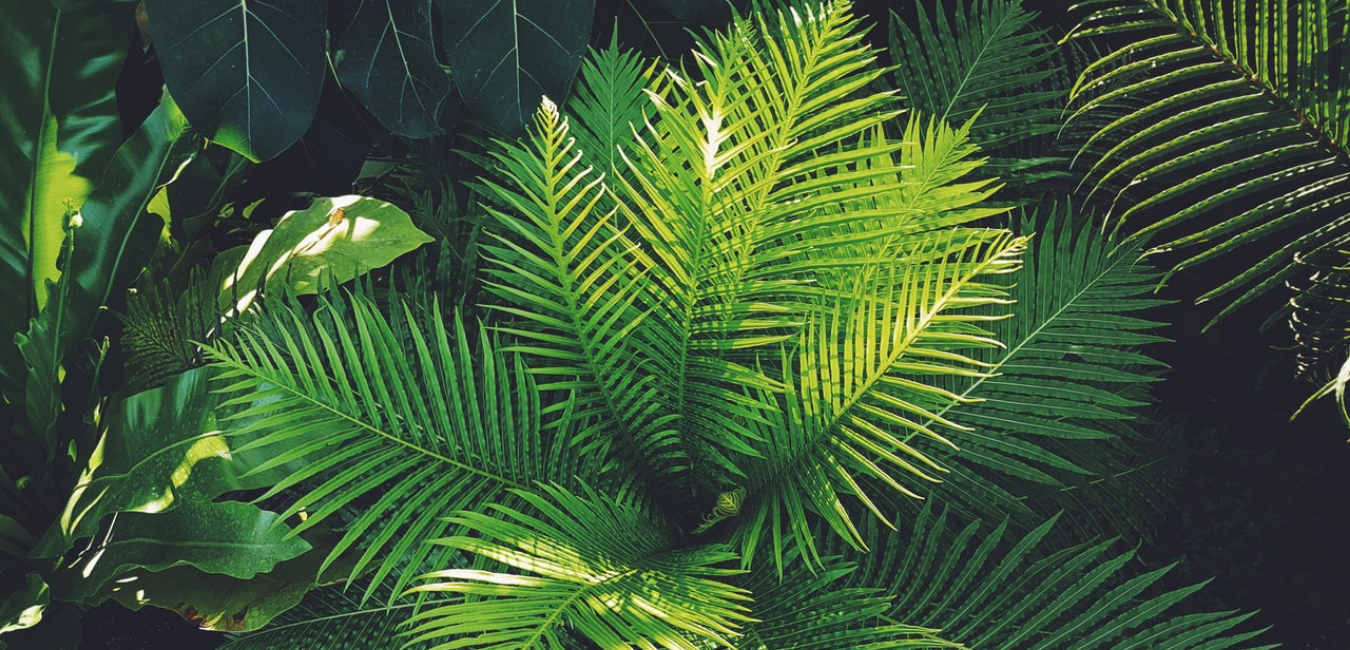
(588, 563)
(404, 430)
(1226, 134)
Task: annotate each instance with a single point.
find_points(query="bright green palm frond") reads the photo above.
(1221, 129)
(592, 566)
(988, 59)
(867, 383)
(1046, 421)
(573, 294)
(401, 422)
(985, 593)
(927, 188)
(749, 144)
(807, 609)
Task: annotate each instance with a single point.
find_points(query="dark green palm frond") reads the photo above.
(1224, 134)
(983, 592)
(404, 432)
(1046, 411)
(818, 609)
(330, 618)
(867, 384)
(608, 102)
(604, 569)
(980, 56)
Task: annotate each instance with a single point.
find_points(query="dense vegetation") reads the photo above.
(458, 324)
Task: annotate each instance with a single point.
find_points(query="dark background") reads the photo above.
(1261, 509)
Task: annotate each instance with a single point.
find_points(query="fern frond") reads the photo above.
(602, 568)
(807, 609)
(572, 292)
(405, 430)
(332, 619)
(608, 101)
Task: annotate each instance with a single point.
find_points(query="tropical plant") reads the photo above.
(1218, 131)
(746, 349)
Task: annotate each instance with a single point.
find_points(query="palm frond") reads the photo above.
(1056, 411)
(572, 293)
(983, 592)
(435, 425)
(979, 56)
(604, 569)
(731, 157)
(807, 609)
(607, 103)
(866, 385)
(1218, 130)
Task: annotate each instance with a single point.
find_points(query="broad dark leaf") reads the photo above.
(385, 56)
(106, 249)
(505, 56)
(231, 538)
(59, 69)
(247, 73)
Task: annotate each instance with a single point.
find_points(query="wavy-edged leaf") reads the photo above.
(600, 568)
(385, 55)
(22, 608)
(984, 592)
(162, 447)
(333, 240)
(505, 56)
(106, 245)
(405, 420)
(247, 73)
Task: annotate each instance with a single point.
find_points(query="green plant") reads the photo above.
(686, 354)
(1217, 131)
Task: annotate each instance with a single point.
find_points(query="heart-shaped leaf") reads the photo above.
(384, 55)
(247, 73)
(505, 56)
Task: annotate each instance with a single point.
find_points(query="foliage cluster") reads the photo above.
(823, 334)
